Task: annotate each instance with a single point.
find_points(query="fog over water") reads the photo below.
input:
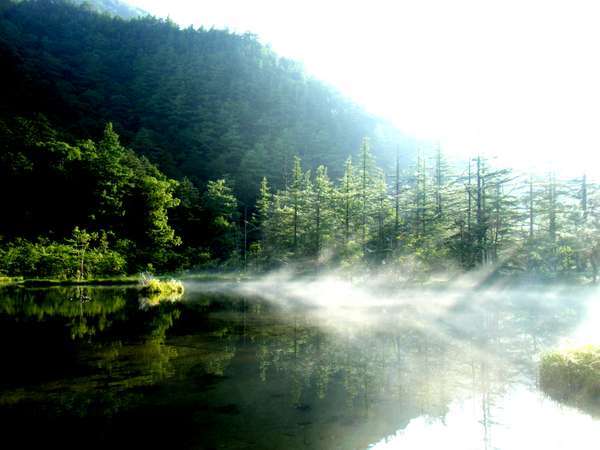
(476, 347)
(370, 300)
(280, 362)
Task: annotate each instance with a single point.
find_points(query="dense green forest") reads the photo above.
(432, 218)
(135, 145)
(115, 8)
(198, 103)
(102, 210)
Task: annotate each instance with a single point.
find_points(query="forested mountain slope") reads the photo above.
(201, 119)
(113, 7)
(198, 103)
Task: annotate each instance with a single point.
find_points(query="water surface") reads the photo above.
(278, 365)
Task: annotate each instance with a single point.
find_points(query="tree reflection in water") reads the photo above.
(239, 371)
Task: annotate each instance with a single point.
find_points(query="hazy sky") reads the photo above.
(520, 79)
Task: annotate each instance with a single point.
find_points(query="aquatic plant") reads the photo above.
(5, 280)
(572, 375)
(155, 291)
(152, 285)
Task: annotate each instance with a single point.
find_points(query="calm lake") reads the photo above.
(288, 365)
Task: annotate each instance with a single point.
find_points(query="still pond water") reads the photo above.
(321, 365)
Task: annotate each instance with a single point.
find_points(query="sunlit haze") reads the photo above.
(515, 79)
(196, 234)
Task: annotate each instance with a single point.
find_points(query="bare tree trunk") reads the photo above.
(584, 202)
(469, 196)
(295, 222)
(347, 217)
(364, 202)
(531, 218)
(479, 217)
(318, 223)
(397, 218)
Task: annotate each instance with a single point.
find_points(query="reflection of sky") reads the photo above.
(337, 363)
(521, 419)
(455, 359)
(589, 330)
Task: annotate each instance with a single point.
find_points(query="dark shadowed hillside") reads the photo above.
(199, 103)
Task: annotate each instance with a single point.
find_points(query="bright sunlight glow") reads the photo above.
(516, 79)
(464, 427)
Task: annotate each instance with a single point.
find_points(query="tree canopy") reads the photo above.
(197, 103)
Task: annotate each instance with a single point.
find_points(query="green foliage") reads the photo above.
(572, 375)
(5, 280)
(230, 119)
(151, 285)
(198, 103)
(112, 7)
(155, 291)
(220, 206)
(321, 206)
(264, 203)
(60, 187)
(57, 260)
(433, 221)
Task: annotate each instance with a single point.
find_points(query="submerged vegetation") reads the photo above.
(573, 376)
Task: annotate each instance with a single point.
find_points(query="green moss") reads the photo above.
(573, 376)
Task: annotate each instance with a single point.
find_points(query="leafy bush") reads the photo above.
(155, 291)
(56, 260)
(151, 285)
(572, 375)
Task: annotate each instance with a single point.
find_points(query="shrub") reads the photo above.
(56, 260)
(572, 375)
(155, 291)
(151, 285)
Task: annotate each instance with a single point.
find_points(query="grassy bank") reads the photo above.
(109, 281)
(154, 291)
(128, 280)
(215, 276)
(123, 280)
(155, 286)
(573, 376)
(8, 280)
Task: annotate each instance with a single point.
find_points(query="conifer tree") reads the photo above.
(321, 205)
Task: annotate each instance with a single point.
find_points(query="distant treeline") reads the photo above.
(429, 218)
(85, 208)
